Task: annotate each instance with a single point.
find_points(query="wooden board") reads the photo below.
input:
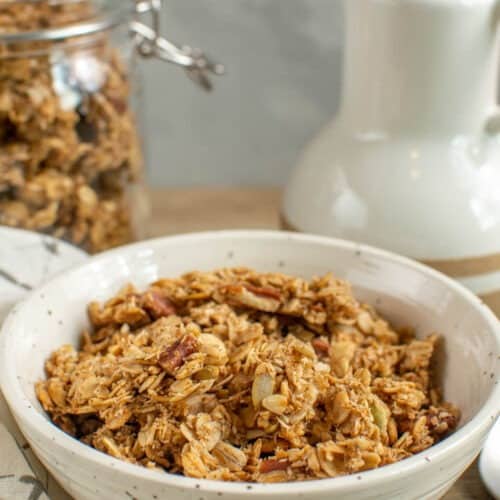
(188, 210)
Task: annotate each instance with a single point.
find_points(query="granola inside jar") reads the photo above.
(71, 160)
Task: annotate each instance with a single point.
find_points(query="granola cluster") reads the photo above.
(31, 15)
(70, 157)
(240, 376)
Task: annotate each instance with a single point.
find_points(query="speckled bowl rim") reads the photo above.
(417, 464)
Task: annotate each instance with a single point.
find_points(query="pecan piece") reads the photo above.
(157, 305)
(321, 346)
(271, 464)
(176, 354)
(440, 421)
(264, 291)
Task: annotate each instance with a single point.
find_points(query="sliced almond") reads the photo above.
(275, 403)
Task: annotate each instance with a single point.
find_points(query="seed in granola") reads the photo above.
(57, 392)
(341, 408)
(301, 333)
(420, 426)
(341, 354)
(371, 459)
(380, 413)
(262, 387)
(255, 433)
(248, 416)
(392, 430)
(364, 376)
(365, 322)
(207, 373)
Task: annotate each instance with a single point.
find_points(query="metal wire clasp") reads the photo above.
(150, 44)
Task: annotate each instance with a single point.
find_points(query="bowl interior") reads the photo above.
(406, 293)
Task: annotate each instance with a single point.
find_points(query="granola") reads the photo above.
(242, 376)
(69, 150)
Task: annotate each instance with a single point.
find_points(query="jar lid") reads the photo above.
(52, 20)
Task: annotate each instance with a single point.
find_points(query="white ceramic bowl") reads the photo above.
(403, 290)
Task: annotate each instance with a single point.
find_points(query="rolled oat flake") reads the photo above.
(71, 155)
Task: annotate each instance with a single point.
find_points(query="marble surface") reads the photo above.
(26, 261)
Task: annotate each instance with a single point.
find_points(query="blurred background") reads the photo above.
(283, 60)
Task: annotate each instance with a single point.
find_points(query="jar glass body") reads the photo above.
(71, 155)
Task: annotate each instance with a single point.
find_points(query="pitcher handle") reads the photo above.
(492, 125)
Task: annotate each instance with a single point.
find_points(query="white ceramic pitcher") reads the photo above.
(411, 162)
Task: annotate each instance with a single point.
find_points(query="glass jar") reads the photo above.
(71, 161)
